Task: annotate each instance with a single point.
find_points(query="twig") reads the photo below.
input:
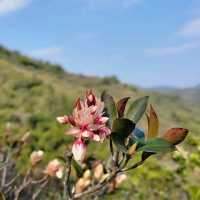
(41, 187)
(123, 164)
(67, 188)
(111, 147)
(4, 173)
(116, 159)
(11, 181)
(21, 188)
(40, 180)
(26, 182)
(133, 166)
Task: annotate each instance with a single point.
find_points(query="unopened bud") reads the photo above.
(54, 169)
(120, 179)
(87, 174)
(80, 186)
(79, 150)
(98, 171)
(36, 157)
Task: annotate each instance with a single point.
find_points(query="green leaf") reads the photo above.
(110, 107)
(123, 126)
(78, 168)
(157, 145)
(146, 155)
(137, 109)
(121, 105)
(121, 129)
(119, 141)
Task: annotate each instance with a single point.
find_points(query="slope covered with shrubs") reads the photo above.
(34, 93)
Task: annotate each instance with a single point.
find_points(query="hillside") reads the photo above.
(33, 93)
(191, 95)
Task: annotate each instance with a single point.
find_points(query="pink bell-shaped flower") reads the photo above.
(79, 150)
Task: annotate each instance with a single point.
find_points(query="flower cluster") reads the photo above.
(87, 122)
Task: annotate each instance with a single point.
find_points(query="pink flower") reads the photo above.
(87, 120)
(79, 150)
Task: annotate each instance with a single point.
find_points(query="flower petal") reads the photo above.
(73, 131)
(63, 119)
(96, 137)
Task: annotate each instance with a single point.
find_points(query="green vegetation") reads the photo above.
(34, 93)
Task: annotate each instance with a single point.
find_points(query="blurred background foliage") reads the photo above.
(33, 93)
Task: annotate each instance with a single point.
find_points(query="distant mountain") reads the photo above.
(190, 95)
(163, 89)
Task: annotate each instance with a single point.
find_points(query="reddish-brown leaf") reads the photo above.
(121, 105)
(175, 135)
(153, 123)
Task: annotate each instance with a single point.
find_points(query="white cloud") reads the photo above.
(94, 4)
(7, 6)
(191, 28)
(171, 50)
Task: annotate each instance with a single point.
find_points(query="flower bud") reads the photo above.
(87, 182)
(54, 169)
(36, 157)
(79, 187)
(98, 171)
(91, 99)
(79, 150)
(132, 150)
(87, 174)
(81, 184)
(120, 179)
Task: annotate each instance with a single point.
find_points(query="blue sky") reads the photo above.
(144, 42)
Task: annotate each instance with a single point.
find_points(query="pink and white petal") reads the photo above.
(73, 131)
(63, 119)
(59, 173)
(87, 134)
(104, 132)
(103, 120)
(96, 137)
(93, 109)
(107, 131)
(79, 149)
